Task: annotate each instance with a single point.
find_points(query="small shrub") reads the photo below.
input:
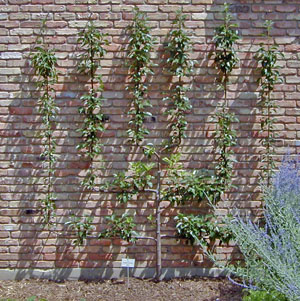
(263, 295)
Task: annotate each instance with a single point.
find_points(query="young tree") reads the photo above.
(140, 177)
(161, 172)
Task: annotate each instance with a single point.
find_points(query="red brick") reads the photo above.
(20, 111)
(262, 8)
(77, 8)
(286, 8)
(9, 8)
(54, 8)
(42, 1)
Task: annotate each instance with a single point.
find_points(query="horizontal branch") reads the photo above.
(110, 191)
(151, 190)
(115, 237)
(169, 236)
(169, 147)
(145, 237)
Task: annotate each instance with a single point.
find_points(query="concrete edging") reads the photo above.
(59, 274)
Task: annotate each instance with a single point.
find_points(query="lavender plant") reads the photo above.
(272, 251)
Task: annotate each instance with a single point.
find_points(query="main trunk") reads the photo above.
(158, 231)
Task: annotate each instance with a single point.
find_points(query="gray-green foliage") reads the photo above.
(267, 57)
(92, 43)
(272, 249)
(139, 50)
(44, 63)
(121, 227)
(179, 65)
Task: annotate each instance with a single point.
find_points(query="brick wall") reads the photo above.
(23, 244)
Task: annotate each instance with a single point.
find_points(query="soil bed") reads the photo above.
(196, 289)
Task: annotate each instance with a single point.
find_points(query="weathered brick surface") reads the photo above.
(23, 243)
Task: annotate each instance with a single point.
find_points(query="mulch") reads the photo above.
(196, 289)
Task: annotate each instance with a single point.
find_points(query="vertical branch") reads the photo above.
(178, 65)
(92, 42)
(139, 49)
(158, 222)
(268, 57)
(225, 137)
(44, 61)
(49, 163)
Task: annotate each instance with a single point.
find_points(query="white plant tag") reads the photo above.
(127, 263)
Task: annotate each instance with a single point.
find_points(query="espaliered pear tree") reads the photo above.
(160, 173)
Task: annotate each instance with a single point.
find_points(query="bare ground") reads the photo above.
(196, 289)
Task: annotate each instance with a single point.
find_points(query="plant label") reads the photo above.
(127, 263)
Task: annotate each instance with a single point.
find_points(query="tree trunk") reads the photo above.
(158, 230)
